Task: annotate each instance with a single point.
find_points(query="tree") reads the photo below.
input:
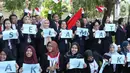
(12, 5)
(56, 8)
(88, 5)
(109, 4)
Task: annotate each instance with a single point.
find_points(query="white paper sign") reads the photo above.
(12, 34)
(66, 33)
(76, 63)
(118, 59)
(128, 57)
(31, 68)
(29, 29)
(82, 32)
(8, 67)
(103, 66)
(100, 34)
(49, 32)
(110, 27)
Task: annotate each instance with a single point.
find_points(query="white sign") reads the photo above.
(8, 67)
(82, 32)
(31, 68)
(103, 66)
(76, 63)
(12, 34)
(128, 57)
(66, 33)
(100, 34)
(49, 32)
(29, 29)
(110, 27)
(118, 59)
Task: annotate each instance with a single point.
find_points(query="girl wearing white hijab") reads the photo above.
(111, 68)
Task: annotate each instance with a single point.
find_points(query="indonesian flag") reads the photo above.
(29, 12)
(56, 1)
(100, 8)
(73, 20)
(37, 11)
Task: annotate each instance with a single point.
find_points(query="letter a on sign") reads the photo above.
(66, 34)
(8, 68)
(100, 34)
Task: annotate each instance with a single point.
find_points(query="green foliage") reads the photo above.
(35, 3)
(56, 8)
(88, 5)
(12, 5)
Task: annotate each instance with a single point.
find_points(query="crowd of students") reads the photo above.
(53, 54)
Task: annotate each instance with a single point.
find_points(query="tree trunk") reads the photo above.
(109, 4)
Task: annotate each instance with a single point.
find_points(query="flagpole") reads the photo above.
(129, 16)
(60, 9)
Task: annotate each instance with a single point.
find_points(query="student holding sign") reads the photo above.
(86, 24)
(79, 39)
(10, 44)
(4, 56)
(27, 36)
(25, 39)
(52, 61)
(111, 29)
(73, 54)
(30, 58)
(111, 68)
(92, 59)
(41, 40)
(96, 43)
(63, 42)
(125, 48)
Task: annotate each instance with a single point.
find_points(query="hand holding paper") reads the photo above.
(76, 63)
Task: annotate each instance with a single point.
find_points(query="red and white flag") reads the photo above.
(73, 20)
(100, 8)
(56, 1)
(37, 11)
(29, 12)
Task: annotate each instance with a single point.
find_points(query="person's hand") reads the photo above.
(36, 30)
(125, 61)
(17, 67)
(42, 34)
(83, 11)
(1, 35)
(60, 34)
(21, 70)
(94, 34)
(52, 68)
(75, 32)
(56, 66)
(22, 29)
(40, 70)
(17, 34)
(106, 60)
(110, 60)
(73, 35)
(68, 66)
(51, 7)
(55, 33)
(48, 68)
(85, 65)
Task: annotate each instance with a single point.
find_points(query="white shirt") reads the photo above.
(53, 61)
(13, 26)
(93, 66)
